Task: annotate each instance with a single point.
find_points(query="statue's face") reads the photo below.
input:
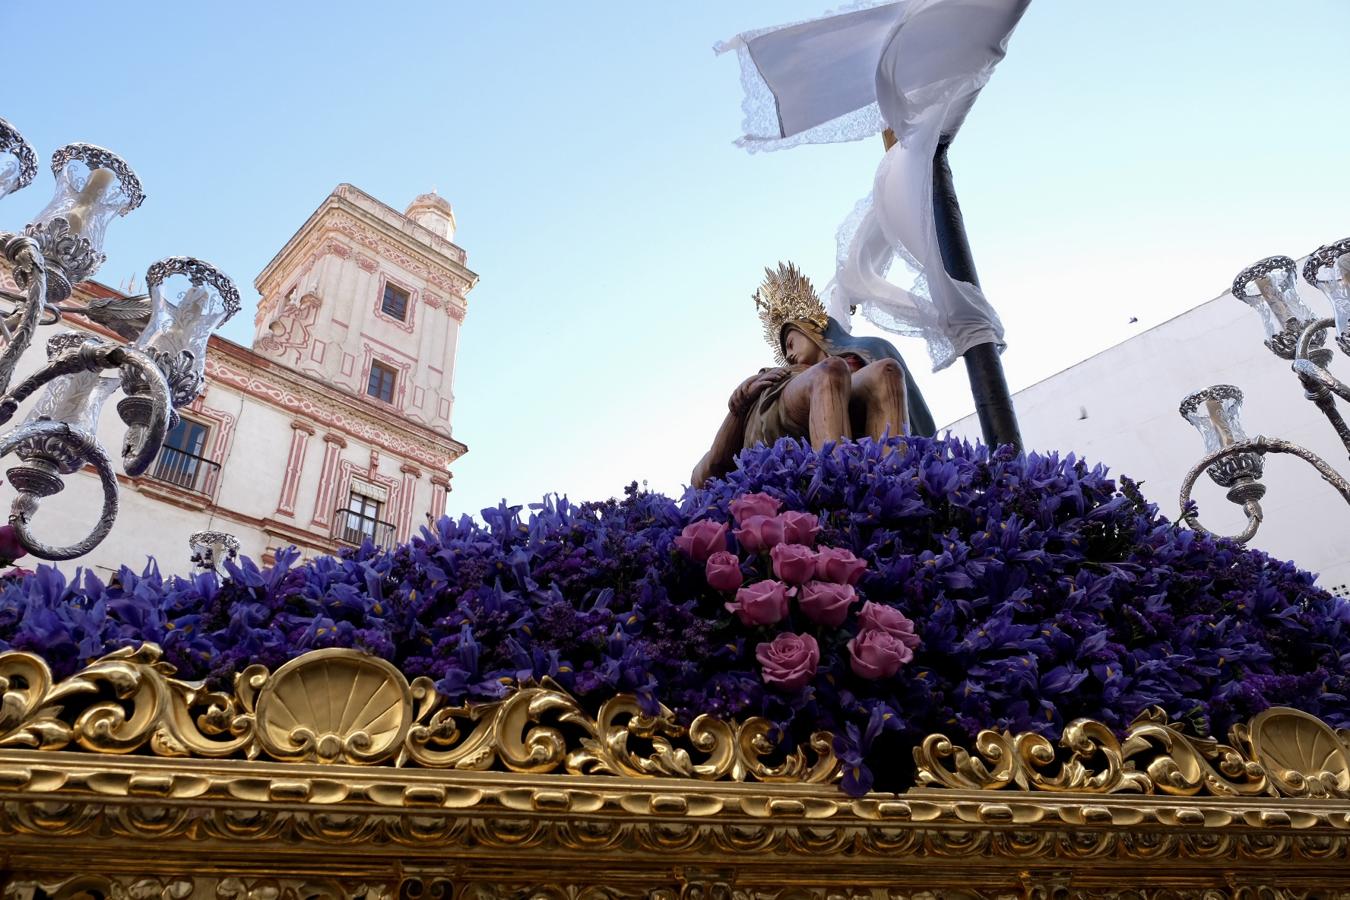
(800, 350)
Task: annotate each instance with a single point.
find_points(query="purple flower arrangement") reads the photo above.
(878, 591)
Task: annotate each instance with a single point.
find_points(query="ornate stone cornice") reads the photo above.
(241, 369)
(367, 222)
(336, 770)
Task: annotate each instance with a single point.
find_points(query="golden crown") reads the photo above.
(787, 298)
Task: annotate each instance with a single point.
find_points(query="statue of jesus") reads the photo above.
(828, 384)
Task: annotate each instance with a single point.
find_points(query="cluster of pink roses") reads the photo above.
(821, 580)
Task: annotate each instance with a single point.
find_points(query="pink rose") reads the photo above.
(747, 505)
(838, 566)
(724, 571)
(702, 539)
(760, 533)
(10, 548)
(788, 661)
(876, 654)
(761, 603)
(800, 528)
(793, 563)
(875, 617)
(825, 603)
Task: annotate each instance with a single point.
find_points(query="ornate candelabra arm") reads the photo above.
(1318, 386)
(88, 357)
(30, 273)
(25, 505)
(1250, 505)
(148, 419)
(146, 435)
(1303, 348)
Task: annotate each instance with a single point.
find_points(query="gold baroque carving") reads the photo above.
(1281, 753)
(183, 887)
(656, 885)
(342, 706)
(375, 787)
(108, 887)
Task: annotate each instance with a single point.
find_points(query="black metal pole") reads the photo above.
(993, 402)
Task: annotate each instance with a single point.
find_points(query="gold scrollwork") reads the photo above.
(1282, 753)
(342, 706)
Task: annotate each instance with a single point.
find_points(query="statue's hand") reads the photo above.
(749, 390)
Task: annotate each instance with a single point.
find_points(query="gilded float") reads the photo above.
(334, 776)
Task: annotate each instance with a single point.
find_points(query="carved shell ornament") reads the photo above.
(334, 706)
(1300, 753)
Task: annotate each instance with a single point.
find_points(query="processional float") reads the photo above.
(333, 774)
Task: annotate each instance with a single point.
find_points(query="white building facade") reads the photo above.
(335, 425)
(1120, 408)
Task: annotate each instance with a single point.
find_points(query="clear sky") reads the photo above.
(1126, 160)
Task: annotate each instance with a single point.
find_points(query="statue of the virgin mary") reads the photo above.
(828, 383)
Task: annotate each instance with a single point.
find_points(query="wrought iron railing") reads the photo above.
(353, 527)
(185, 470)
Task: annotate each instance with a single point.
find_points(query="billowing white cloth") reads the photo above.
(915, 66)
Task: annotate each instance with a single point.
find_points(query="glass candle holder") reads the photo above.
(1216, 412)
(1271, 288)
(18, 162)
(211, 548)
(1328, 270)
(92, 187)
(189, 299)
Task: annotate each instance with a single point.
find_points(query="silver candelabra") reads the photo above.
(1233, 460)
(160, 370)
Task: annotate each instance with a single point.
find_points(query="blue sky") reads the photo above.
(1126, 160)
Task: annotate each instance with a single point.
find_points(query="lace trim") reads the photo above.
(917, 323)
(763, 132)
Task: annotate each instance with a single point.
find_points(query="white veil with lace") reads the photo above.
(914, 66)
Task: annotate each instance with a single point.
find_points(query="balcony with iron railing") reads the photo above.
(185, 470)
(354, 528)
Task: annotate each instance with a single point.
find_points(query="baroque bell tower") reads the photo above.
(371, 301)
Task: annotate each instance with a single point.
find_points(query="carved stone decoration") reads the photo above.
(343, 706)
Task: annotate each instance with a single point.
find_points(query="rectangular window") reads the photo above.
(381, 383)
(395, 302)
(181, 460)
(360, 521)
